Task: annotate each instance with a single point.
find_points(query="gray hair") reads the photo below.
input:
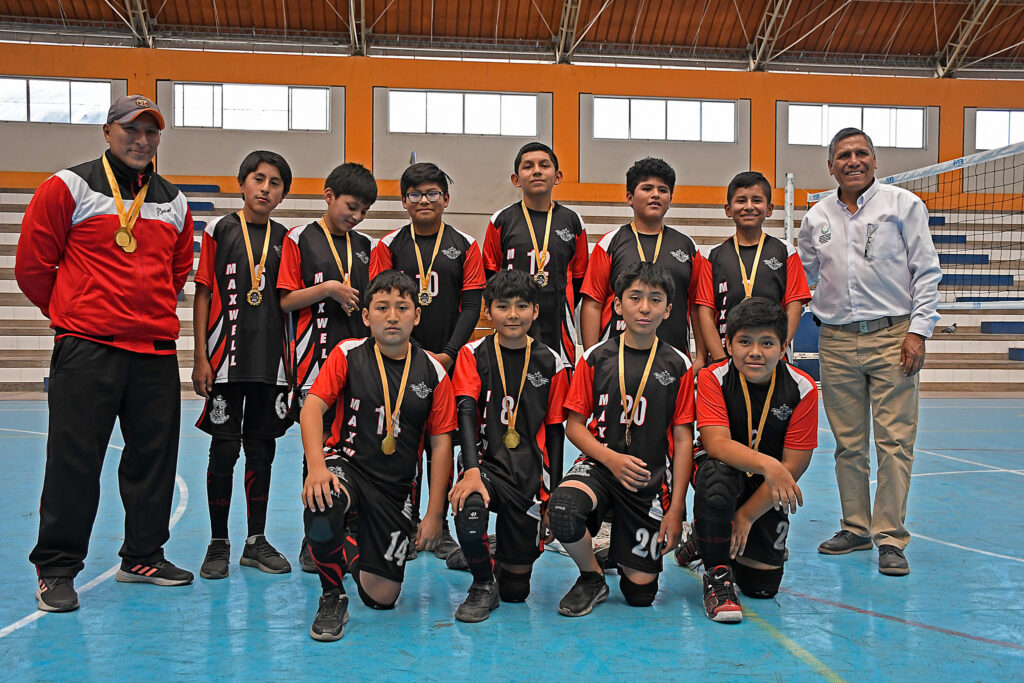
(848, 133)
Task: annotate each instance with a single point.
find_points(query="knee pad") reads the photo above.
(716, 488)
(513, 587)
(568, 508)
(223, 455)
(329, 525)
(637, 594)
(259, 453)
(471, 521)
(757, 583)
(370, 602)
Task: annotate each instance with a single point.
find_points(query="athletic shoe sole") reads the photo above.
(863, 546)
(249, 562)
(470, 620)
(329, 637)
(894, 571)
(203, 574)
(598, 599)
(50, 608)
(128, 577)
(728, 617)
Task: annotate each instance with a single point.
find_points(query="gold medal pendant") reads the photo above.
(424, 298)
(389, 444)
(124, 239)
(629, 439)
(541, 278)
(131, 246)
(254, 297)
(511, 438)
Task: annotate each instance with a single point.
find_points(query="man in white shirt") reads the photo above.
(870, 250)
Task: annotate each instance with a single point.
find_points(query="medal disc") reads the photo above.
(425, 298)
(254, 297)
(511, 438)
(629, 440)
(131, 246)
(123, 238)
(541, 278)
(389, 444)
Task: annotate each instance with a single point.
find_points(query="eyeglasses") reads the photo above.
(417, 197)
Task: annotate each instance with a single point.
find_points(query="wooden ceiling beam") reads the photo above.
(567, 31)
(768, 31)
(966, 33)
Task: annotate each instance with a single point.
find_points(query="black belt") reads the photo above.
(869, 326)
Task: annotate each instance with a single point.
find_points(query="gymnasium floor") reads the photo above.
(958, 615)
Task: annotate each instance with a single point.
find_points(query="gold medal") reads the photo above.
(388, 445)
(752, 441)
(541, 276)
(629, 439)
(626, 412)
(254, 297)
(123, 236)
(748, 283)
(424, 296)
(511, 438)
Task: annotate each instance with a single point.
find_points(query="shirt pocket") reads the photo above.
(886, 241)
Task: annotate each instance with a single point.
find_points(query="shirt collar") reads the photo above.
(870, 192)
(127, 176)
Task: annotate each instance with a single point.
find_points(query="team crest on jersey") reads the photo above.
(680, 255)
(281, 406)
(337, 471)
(302, 397)
(580, 469)
(664, 378)
(277, 249)
(218, 410)
(772, 263)
(565, 234)
(452, 253)
(537, 379)
(826, 234)
(420, 389)
(361, 255)
(782, 412)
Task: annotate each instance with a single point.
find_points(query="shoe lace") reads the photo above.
(54, 581)
(330, 604)
(478, 594)
(722, 588)
(264, 547)
(218, 552)
(889, 550)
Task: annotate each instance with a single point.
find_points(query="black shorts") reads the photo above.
(384, 520)
(636, 517)
(240, 409)
(296, 409)
(517, 526)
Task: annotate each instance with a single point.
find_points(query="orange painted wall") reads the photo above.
(142, 68)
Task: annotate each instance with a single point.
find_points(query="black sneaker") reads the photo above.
(215, 564)
(260, 554)
(446, 545)
(306, 559)
(457, 561)
(481, 601)
(720, 600)
(844, 542)
(687, 553)
(57, 594)
(584, 594)
(330, 620)
(892, 561)
(159, 573)
(410, 550)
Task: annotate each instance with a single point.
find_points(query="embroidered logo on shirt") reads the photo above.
(164, 211)
(421, 389)
(580, 469)
(680, 256)
(537, 379)
(218, 410)
(772, 263)
(452, 253)
(664, 378)
(361, 255)
(565, 234)
(826, 234)
(277, 249)
(337, 471)
(782, 413)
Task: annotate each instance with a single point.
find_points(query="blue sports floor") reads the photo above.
(959, 615)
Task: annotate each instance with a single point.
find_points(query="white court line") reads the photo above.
(939, 474)
(964, 547)
(178, 513)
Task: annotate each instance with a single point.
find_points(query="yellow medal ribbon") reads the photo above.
(254, 297)
(123, 237)
(640, 248)
(640, 389)
(755, 442)
(511, 437)
(389, 443)
(424, 297)
(748, 283)
(541, 276)
(346, 273)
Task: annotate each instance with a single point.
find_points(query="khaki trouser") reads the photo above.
(862, 385)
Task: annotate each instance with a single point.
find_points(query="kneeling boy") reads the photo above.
(744, 478)
(637, 395)
(510, 392)
(389, 395)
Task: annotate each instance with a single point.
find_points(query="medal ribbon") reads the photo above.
(643, 380)
(542, 254)
(127, 219)
(640, 248)
(748, 283)
(346, 274)
(389, 414)
(254, 272)
(425, 276)
(522, 381)
(751, 441)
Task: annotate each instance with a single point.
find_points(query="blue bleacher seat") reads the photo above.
(1016, 354)
(936, 220)
(964, 259)
(976, 280)
(200, 206)
(1002, 327)
(186, 188)
(949, 239)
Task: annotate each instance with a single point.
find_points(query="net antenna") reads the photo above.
(976, 215)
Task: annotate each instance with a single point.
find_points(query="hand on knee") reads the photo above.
(471, 520)
(568, 509)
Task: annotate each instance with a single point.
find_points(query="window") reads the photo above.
(242, 106)
(46, 100)
(998, 128)
(815, 124)
(465, 113)
(622, 118)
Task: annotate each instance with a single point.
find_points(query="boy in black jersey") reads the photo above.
(758, 422)
(632, 411)
(510, 392)
(449, 274)
(750, 263)
(390, 396)
(546, 240)
(240, 358)
(324, 267)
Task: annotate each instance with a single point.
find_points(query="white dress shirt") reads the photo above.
(877, 262)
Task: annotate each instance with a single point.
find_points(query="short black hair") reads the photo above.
(648, 273)
(534, 147)
(424, 172)
(253, 160)
(757, 313)
(748, 179)
(848, 133)
(391, 280)
(511, 284)
(647, 168)
(354, 180)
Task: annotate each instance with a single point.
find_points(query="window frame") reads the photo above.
(893, 114)
(218, 98)
(666, 101)
(462, 126)
(27, 80)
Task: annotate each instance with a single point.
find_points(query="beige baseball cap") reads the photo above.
(128, 108)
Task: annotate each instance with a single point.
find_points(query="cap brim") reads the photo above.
(127, 118)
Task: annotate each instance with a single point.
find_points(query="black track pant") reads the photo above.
(92, 384)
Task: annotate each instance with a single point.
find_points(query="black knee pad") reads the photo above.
(223, 455)
(757, 583)
(568, 508)
(370, 602)
(637, 594)
(471, 521)
(716, 488)
(329, 525)
(259, 453)
(513, 587)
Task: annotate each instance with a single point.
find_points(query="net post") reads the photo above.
(790, 190)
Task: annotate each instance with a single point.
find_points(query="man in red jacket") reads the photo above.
(105, 248)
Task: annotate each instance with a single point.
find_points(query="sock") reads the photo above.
(218, 494)
(713, 539)
(478, 557)
(257, 490)
(329, 565)
(350, 552)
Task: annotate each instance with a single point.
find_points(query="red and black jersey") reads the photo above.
(792, 420)
(780, 277)
(68, 265)
(307, 261)
(507, 245)
(351, 381)
(245, 343)
(617, 250)
(457, 268)
(667, 401)
(526, 468)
